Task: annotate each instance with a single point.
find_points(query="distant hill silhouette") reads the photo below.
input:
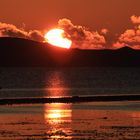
(23, 52)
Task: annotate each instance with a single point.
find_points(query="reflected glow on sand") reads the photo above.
(57, 112)
(136, 115)
(56, 116)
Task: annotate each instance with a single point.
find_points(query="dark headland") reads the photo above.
(23, 52)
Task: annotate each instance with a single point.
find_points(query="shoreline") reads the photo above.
(73, 99)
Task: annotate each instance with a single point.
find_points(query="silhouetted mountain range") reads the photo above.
(23, 52)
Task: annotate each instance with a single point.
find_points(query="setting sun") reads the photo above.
(56, 37)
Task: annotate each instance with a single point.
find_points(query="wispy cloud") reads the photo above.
(135, 19)
(104, 31)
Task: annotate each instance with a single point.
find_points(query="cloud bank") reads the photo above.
(81, 37)
(10, 30)
(131, 37)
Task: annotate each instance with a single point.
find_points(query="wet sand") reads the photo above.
(98, 120)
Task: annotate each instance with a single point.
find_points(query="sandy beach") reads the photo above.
(100, 121)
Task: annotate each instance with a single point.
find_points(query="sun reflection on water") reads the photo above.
(57, 115)
(56, 84)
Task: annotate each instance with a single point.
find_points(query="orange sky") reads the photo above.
(113, 14)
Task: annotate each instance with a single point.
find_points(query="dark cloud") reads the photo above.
(81, 37)
(36, 35)
(9, 30)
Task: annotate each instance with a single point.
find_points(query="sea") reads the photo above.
(44, 82)
(95, 120)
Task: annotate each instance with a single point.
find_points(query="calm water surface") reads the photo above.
(42, 82)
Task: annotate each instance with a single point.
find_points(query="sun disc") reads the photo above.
(56, 37)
